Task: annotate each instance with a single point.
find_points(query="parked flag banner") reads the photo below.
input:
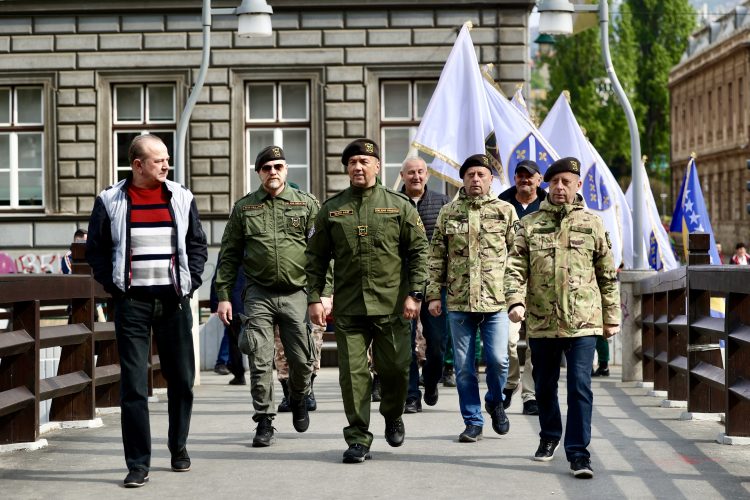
(690, 214)
(518, 138)
(457, 121)
(600, 190)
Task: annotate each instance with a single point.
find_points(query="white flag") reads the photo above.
(520, 103)
(517, 137)
(656, 244)
(457, 122)
(600, 190)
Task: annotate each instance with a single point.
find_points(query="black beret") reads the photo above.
(366, 147)
(568, 164)
(269, 153)
(529, 165)
(476, 161)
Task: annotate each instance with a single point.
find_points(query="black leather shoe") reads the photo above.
(546, 450)
(602, 371)
(581, 468)
(413, 405)
(500, 422)
(357, 453)
(181, 461)
(508, 397)
(431, 396)
(238, 381)
(395, 432)
(135, 478)
(263, 433)
(300, 417)
(530, 407)
(471, 434)
(311, 402)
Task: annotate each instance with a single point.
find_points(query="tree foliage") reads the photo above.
(647, 38)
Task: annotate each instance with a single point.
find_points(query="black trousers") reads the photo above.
(171, 321)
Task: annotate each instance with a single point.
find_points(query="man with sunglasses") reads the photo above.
(267, 233)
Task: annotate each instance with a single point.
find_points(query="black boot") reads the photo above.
(312, 405)
(602, 371)
(284, 405)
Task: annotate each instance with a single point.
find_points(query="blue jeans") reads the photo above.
(435, 332)
(493, 328)
(545, 356)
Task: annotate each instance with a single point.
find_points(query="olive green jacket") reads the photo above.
(379, 244)
(268, 235)
(468, 252)
(561, 269)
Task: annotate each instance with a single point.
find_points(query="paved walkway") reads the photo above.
(639, 450)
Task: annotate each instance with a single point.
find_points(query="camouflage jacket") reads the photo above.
(468, 253)
(561, 269)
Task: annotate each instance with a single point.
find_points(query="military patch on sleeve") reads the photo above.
(297, 203)
(252, 207)
(311, 232)
(387, 210)
(340, 213)
(609, 243)
(420, 225)
(517, 226)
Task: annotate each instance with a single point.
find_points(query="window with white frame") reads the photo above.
(141, 109)
(21, 147)
(278, 113)
(402, 105)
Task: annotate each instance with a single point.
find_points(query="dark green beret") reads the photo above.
(267, 154)
(567, 164)
(366, 147)
(476, 161)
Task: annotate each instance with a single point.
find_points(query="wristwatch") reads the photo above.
(418, 296)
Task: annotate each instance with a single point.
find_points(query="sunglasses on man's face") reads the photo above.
(267, 168)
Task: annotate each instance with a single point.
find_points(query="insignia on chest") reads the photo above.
(296, 203)
(340, 213)
(387, 210)
(252, 207)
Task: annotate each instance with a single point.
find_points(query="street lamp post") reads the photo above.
(556, 18)
(254, 20)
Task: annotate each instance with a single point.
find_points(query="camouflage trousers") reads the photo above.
(282, 367)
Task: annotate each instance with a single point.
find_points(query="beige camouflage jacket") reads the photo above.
(468, 252)
(561, 269)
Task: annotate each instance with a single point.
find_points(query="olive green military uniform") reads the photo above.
(379, 244)
(269, 235)
(550, 272)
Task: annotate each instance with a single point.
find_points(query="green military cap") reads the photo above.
(366, 147)
(567, 164)
(268, 153)
(479, 160)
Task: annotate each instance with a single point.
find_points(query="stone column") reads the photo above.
(632, 356)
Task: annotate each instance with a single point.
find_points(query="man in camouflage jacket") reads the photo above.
(562, 273)
(468, 253)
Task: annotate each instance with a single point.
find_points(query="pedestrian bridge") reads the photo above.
(639, 450)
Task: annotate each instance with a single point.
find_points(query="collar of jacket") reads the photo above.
(564, 209)
(129, 179)
(285, 193)
(363, 192)
(476, 201)
(510, 194)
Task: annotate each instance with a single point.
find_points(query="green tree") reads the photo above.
(661, 29)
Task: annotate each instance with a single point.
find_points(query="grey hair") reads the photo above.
(413, 158)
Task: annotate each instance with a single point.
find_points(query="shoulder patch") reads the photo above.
(609, 243)
(517, 226)
(420, 224)
(387, 210)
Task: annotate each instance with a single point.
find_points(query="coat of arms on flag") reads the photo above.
(529, 149)
(654, 259)
(595, 191)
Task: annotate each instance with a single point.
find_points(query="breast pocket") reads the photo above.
(457, 233)
(581, 245)
(389, 228)
(542, 248)
(255, 222)
(493, 243)
(295, 221)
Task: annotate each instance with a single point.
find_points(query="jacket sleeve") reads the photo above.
(318, 255)
(99, 247)
(414, 248)
(231, 253)
(517, 269)
(438, 260)
(196, 247)
(606, 278)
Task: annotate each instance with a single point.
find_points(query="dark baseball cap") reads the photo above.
(529, 165)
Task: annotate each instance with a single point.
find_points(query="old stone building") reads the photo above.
(79, 79)
(710, 93)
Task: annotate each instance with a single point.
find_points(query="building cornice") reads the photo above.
(709, 56)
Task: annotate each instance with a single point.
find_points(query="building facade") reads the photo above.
(710, 93)
(78, 80)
